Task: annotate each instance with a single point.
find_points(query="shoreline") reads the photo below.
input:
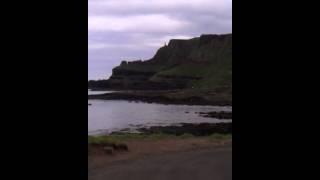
(121, 149)
(120, 146)
(194, 129)
(162, 148)
(151, 143)
(165, 97)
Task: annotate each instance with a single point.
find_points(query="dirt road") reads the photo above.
(202, 164)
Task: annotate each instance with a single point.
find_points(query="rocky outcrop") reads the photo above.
(202, 62)
(165, 97)
(217, 115)
(202, 129)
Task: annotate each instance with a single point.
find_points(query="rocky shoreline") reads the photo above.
(201, 129)
(217, 115)
(163, 97)
(118, 142)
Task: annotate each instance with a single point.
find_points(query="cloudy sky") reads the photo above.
(135, 29)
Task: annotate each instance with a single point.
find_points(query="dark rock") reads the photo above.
(218, 115)
(201, 129)
(108, 150)
(121, 147)
(157, 97)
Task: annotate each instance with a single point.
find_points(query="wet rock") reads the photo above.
(218, 115)
(155, 97)
(201, 129)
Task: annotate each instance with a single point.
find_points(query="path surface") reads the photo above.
(205, 164)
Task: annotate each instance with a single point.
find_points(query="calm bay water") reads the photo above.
(111, 115)
(98, 92)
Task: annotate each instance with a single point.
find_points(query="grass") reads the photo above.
(214, 75)
(119, 138)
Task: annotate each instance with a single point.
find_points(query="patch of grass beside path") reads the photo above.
(119, 138)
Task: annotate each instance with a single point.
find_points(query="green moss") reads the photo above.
(101, 140)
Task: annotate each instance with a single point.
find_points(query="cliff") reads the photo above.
(203, 62)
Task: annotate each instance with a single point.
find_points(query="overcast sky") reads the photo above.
(135, 29)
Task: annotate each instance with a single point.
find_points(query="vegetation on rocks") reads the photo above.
(204, 62)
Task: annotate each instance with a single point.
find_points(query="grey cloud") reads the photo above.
(108, 47)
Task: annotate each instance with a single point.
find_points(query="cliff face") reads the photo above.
(204, 62)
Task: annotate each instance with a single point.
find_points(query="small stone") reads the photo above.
(108, 150)
(122, 147)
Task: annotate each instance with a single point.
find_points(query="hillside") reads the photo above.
(203, 62)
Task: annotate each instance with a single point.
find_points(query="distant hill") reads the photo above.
(203, 62)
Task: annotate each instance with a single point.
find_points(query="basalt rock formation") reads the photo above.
(203, 62)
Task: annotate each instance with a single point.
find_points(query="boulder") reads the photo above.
(108, 150)
(121, 147)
